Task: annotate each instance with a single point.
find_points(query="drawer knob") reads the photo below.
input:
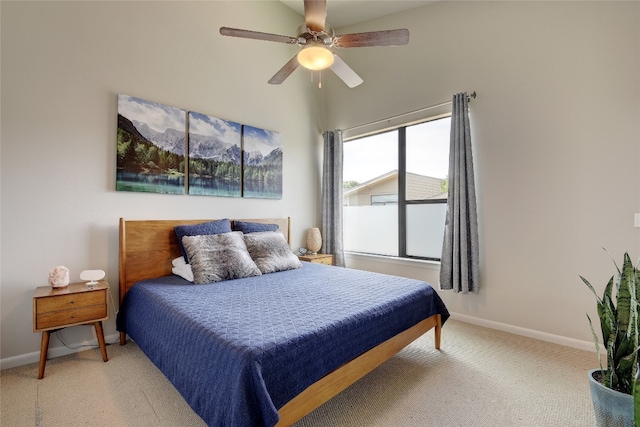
(73, 316)
(73, 301)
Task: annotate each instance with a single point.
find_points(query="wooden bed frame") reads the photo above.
(146, 250)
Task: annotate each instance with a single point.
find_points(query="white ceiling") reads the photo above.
(341, 13)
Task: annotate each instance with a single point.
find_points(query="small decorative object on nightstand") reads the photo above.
(75, 304)
(92, 277)
(317, 258)
(59, 277)
(314, 240)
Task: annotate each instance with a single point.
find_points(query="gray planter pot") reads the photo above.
(612, 408)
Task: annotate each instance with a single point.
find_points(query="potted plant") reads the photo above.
(611, 387)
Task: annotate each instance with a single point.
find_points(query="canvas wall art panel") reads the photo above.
(262, 163)
(150, 147)
(214, 156)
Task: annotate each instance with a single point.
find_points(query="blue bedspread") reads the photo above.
(239, 350)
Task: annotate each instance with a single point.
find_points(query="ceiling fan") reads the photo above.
(316, 38)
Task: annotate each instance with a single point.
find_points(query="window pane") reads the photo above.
(371, 229)
(385, 199)
(425, 229)
(370, 173)
(369, 158)
(428, 159)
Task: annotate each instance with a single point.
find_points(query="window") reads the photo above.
(395, 191)
(384, 199)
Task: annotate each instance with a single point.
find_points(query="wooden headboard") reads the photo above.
(147, 247)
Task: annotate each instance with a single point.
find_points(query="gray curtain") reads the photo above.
(460, 266)
(332, 197)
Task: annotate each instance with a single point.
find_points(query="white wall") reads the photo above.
(556, 133)
(63, 65)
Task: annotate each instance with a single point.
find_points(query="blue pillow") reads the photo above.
(253, 227)
(205, 228)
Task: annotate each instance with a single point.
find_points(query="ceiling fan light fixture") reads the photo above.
(315, 58)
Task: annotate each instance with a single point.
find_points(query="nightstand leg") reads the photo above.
(44, 348)
(100, 335)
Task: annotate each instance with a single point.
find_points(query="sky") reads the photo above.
(427, 152)
(158, 117)
(215, 128)
(265, 141)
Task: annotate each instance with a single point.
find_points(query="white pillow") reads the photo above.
(184, 271)
(178, 262)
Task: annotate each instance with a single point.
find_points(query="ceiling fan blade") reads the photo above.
(247, 34)
(285, 71)
(315, 14)
(345, 72)
(373, 38)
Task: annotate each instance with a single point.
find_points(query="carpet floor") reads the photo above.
(480, 377)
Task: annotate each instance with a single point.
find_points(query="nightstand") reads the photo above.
(75, 304)
(318, 258)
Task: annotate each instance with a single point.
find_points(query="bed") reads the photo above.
(267, 349)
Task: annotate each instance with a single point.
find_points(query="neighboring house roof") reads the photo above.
(378, 179)
(416, 183)
(440, 196)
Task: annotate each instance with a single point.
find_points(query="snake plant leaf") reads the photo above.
(626, 367)
(596, 341)
(627, 279)
(591, 287)
(611, 376)
(606, 313)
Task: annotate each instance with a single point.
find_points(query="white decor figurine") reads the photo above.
(59, 277)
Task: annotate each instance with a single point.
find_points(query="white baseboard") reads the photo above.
(530, 333)
(34, 357)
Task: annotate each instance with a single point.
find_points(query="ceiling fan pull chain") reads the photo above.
(320, 79)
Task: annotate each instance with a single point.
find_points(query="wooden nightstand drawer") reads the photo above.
(65, 302)
(62, 318)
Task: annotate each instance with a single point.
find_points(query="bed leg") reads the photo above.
(438, 331)
(123, 338)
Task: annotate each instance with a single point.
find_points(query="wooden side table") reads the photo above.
(76, 304)
(317, 258)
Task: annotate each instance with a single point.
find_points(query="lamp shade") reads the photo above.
(315, 58)
(314, 240)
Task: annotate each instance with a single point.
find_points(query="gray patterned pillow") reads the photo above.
(217, 257)
(271, 252)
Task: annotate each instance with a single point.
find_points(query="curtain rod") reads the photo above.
(419, 110)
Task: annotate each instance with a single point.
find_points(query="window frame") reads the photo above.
(402, 186)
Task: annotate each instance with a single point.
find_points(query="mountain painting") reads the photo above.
(214, 156)
(150, 147)
(262, 163)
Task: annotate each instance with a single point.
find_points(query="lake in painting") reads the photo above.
(209, 186)
(150, 183)
(262, 191)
